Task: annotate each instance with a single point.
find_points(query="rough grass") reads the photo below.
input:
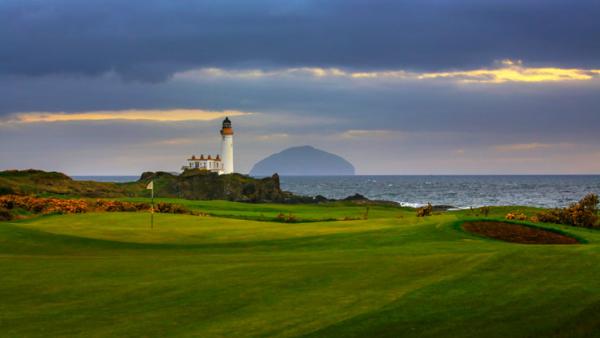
(57, 184)
(393, 275)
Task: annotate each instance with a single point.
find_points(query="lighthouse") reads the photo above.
(222, 164)
(227, 146)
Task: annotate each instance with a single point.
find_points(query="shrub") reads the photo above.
(289, 218)
(519, 216)
(585, 212)
(581, 214)
(118, 206)
(5, 214)
(70, 206)
(7, 203)
(168, 208)
(425, 211)
(549, 216)
(43, 205)
(6, 191)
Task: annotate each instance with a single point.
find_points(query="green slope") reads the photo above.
(109, 275)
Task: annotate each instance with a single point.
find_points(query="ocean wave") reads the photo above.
(411, 204)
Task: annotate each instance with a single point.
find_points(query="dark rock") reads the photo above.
(321, 199)
(204, 185)
(146, 175)
(356, 197)
(442, 207)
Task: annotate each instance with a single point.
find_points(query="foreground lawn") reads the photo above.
(393, 275)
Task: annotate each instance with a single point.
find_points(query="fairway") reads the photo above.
(232, 275)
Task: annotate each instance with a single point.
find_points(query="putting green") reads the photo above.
(394, 275)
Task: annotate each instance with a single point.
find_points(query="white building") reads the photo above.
(217, 164)
(208, 163)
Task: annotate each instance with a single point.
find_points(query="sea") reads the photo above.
(457, 191)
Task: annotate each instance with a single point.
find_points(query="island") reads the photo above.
(303, 161)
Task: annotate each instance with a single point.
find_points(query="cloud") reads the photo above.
(507, 71)
(172, 115)
(272, 137)
(151, 40)
(177, 141)
(522, 147)
(514, 71)
(260, 73)
(427, 119)
(367, 133)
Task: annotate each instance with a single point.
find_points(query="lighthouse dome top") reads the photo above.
(227, 130)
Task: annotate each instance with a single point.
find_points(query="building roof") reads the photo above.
(201, 158)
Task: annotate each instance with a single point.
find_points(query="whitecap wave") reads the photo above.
(411, 204)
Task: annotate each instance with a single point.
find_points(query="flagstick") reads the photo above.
(152, 213)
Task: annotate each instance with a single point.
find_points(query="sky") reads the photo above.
(118, 87)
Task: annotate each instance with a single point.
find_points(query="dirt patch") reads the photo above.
(517, 233)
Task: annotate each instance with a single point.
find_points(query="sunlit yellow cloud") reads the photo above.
(505, 71)
(514, 71)
(170, 115)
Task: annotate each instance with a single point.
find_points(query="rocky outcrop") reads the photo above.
(203, 185)
(191, 184)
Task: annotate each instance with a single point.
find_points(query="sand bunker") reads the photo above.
(517, 233)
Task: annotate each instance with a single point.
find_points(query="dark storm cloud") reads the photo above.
(149, 40)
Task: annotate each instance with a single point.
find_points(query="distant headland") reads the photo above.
(192, 184)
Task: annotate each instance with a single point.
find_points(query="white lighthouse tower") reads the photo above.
(227, 146)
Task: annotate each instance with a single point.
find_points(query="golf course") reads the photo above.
(337, 270)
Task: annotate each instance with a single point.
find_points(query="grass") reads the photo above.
(269, 212)
(393, 275)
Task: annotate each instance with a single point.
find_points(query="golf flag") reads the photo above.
(150, 186)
